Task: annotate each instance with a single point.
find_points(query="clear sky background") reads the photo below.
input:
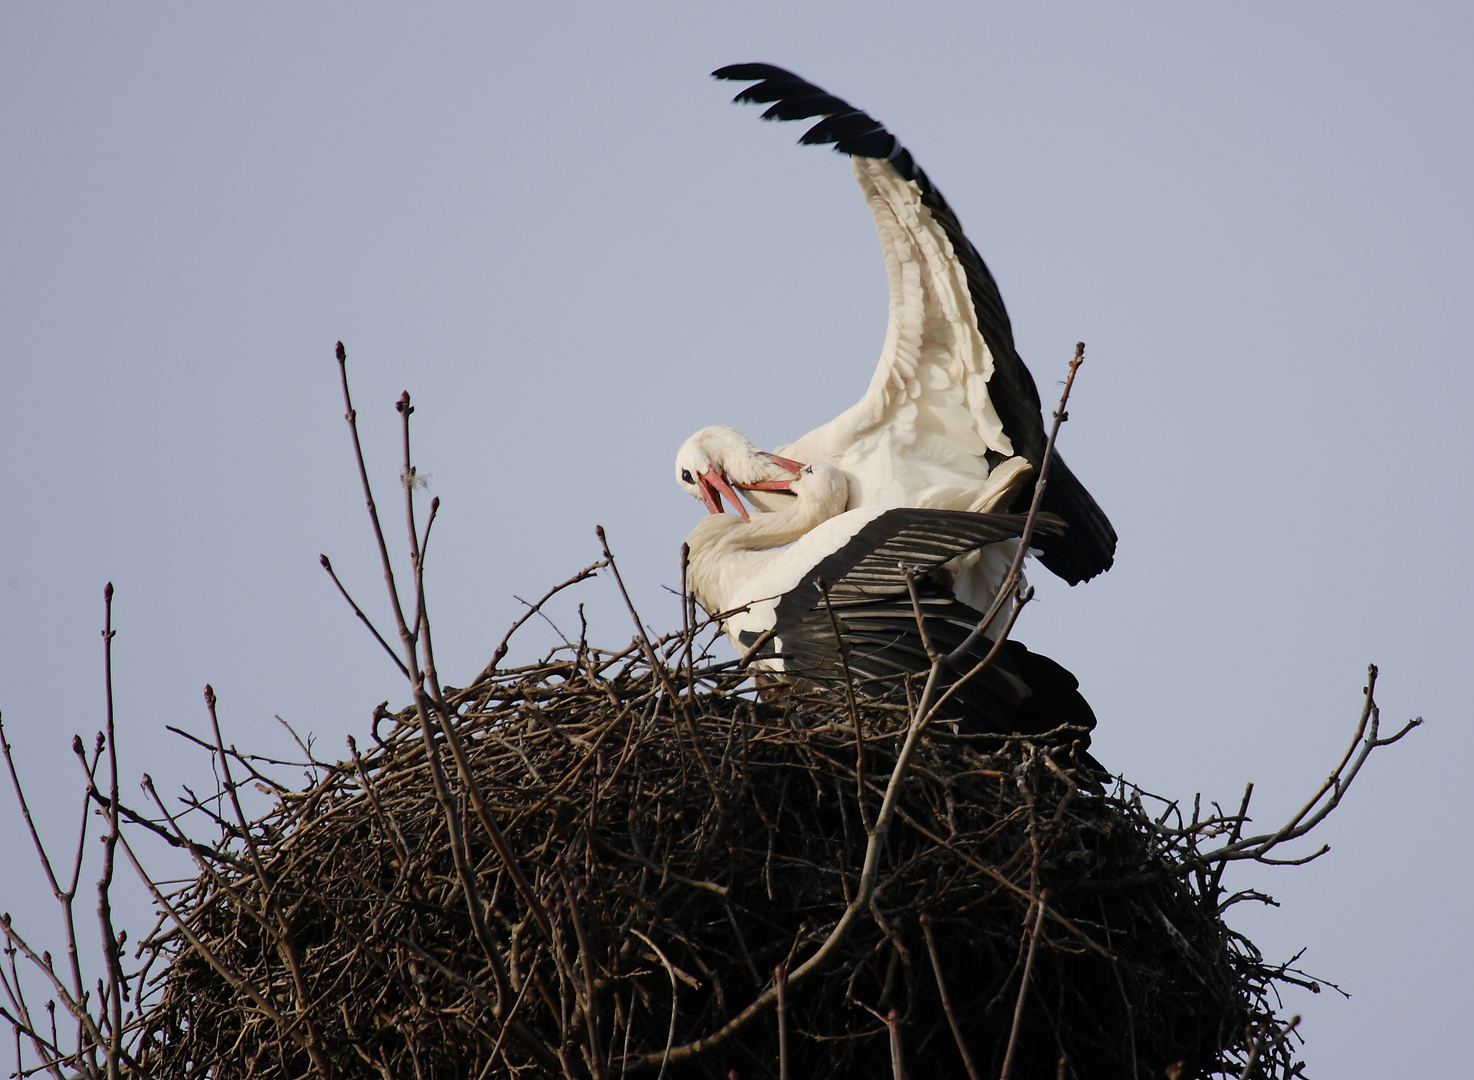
(549, 225)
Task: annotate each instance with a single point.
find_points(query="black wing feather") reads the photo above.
(921, 539)
(1021, 692)
(1089, 547)
(804, 106)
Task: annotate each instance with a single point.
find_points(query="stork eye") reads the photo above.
(686, 477)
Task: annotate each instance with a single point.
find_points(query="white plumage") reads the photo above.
(741, 568)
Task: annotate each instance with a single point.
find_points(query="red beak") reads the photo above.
(768, 485)
(713, 486)
(792, 466)
(709, 495)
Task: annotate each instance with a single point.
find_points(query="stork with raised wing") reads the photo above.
(951, 419)
(797, 582)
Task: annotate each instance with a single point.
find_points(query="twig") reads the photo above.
(411, 665)
(588, 1002)
(110, 945)
(678, 706)
(780, 979)
(282, 935)
(502, 645)
(849, 697)
(893, 1028)
(936, 967)
(1023, 990)
(496, 1047)
(328, 566)
(670, 970)
(931, 653)
(1260, 1042)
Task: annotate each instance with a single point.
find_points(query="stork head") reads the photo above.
(719, 458)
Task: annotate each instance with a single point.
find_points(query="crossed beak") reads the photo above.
(792, 466)
(713, 486)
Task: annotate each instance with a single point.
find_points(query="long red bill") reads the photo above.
(792, 466)
(768, 485)
(718, 483)
(709, 495)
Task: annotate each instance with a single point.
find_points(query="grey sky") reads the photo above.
(550, 227)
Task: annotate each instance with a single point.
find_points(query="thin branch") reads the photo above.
(936, 967)
(849, 696)
(678, 706)
(893, 1029)
(110, 945)
(1023, 990)
(780, 979)
(1260, 1041)
(532, 609)
(328, 566)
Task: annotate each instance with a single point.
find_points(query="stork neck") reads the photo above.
(778, 528)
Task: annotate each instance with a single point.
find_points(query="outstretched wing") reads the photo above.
(949, 368)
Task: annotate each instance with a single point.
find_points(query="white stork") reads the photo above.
(951, 419)
(763, 590)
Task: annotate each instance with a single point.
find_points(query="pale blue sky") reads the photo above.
(550, 227)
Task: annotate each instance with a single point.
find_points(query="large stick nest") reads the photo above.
(677, 875)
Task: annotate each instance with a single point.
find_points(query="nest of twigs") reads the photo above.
(685, 847)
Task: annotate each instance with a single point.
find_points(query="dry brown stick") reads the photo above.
(936, 967)
(750, 653)
(780, 978)
(1336, 785)
(76, 1006)
(1259, 1043)
(438, 704)
(409, 641)
(532, 609)
(478, 801)
(73, 958)
(678, 706)
(893, 1028)
(282, 935)
(670, 970)
(111, 948)
(65, 897)
(849, 700)
(688, 622)
(588, 1003)
(328, 566)
(929, 708)
(51, 1055)
(208, 871)
(931, 653)
(391, 828)
(236, 982)
(496, 1047)
(1023, 990)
